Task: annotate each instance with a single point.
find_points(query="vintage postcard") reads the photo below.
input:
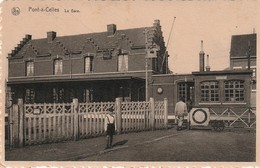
(129, 83)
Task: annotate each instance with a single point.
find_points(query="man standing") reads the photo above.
(110, 127)
(180, 111)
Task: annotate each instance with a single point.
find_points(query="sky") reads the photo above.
(214, 22)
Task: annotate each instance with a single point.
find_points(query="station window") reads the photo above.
(87, 95)
(122, 63)
(181, 90)
(234, 91)
(29, 96)
(29, 68)
(58, 67)
(254, 73)
(88, 64)
(209, 91)
(58, 95)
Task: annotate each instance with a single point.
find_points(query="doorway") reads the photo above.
(186, 90)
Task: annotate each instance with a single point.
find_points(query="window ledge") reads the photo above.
(235, 103)
(211, 103)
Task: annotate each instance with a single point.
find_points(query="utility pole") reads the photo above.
(146, 65)
(150, 53)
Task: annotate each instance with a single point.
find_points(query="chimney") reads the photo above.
(28, 37)
(207, 67)
(201, 57)
(51, 36)
(156, 23)
(111, 29)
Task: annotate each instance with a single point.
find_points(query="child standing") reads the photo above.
(110, 127)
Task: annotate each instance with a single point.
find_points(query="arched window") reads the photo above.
(88, 64)
(209, 91)
(29, 68)
(122, 63)
(58, 67)
(234, 90)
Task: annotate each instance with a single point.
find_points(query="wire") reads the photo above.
(164, 55)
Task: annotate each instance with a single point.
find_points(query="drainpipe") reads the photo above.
(70, 66)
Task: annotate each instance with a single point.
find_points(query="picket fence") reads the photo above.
(47, 123)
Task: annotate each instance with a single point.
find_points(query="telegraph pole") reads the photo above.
(146, 65)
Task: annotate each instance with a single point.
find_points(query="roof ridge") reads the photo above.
(93, 33)
(244, 34)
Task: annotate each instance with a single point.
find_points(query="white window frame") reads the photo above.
(235, 90)
(88, 64)
(29, 95)
(122, 63)
(58, 63)
(29, 68)
(209, 91)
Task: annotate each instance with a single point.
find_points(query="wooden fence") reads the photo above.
(47, 123)
(235, 117)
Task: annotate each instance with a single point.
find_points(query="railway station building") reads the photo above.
(95, 67)
(99, 67)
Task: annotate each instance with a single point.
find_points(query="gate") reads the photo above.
(48, 123)
(235, 117)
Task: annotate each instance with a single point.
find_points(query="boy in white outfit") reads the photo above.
(110, 127)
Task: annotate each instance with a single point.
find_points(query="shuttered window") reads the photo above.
(29, 95)
(88, 64)
(58, 67)
(122, 63)
(58, 95)
(29, 68)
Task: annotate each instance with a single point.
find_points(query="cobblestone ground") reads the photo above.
(161, 145)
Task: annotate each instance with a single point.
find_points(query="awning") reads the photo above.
(74, 78)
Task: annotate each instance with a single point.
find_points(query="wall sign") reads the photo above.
(36, 111)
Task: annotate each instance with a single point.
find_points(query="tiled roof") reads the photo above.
(99, 41)
(240, 45)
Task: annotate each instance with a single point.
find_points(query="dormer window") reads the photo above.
(29, 68)
(122, 63)
(88, 64)
(58, 67)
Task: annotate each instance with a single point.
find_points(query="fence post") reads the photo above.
(249, 116)
(228, 117)
(152, 114)
(14, 121)
(165, 102)
(21, 122)
(118, 116)
(76, 121)
(10, 125)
